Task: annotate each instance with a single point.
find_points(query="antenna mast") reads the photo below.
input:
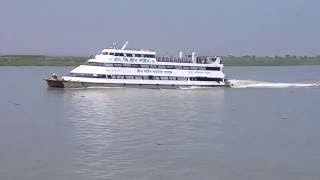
(114, 45)
(125, 45)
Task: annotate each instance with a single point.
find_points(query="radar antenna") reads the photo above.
(114, 45)
(125, 45)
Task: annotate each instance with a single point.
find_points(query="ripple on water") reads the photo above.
(119, 129)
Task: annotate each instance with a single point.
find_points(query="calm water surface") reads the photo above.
(220, 133)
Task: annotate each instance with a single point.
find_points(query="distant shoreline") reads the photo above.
(40, 60)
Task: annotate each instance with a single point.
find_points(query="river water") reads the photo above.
(268, 131)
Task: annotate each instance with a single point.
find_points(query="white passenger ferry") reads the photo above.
(142, 68)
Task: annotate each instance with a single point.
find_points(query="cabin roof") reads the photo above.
(129, 51)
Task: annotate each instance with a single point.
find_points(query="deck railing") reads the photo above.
(174, 59)
(199, 60)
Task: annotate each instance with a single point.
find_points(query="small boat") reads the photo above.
(54, 81)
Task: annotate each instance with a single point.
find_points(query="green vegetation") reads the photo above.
(39, 60)
(287, 60)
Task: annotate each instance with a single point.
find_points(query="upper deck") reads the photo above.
(151, 55)
(127, 52)
(187, 59)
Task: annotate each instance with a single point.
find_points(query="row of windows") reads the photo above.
(88, 75)
(129, 55)
(153, 66)
(146, 77)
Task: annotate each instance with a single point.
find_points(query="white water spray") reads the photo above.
(260, 84)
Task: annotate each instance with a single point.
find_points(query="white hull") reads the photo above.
(91, 82)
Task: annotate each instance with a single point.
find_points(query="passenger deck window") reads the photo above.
(144, 66)
(95, 63)
(186, 67)
(135, 65)
(108, 65)
(181, 78)
(126, 65)
(207, 79)
(137, 55)
(149, 56)
(129, 77)
(119, 54)
(172, 78)
(88, 75)
(213, 68)
(120, 77)
(117, 65)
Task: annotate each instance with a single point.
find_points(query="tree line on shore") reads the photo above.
(271, 60)
(249, 60)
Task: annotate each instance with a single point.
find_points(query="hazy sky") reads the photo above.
(211, 27)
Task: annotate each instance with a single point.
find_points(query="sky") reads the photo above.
(209, 27)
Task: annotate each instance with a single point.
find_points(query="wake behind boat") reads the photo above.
(141, 68)
(261, 84)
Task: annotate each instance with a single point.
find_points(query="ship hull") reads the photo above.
(78, 84)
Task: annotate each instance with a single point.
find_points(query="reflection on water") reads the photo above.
(119, 129)
(222, 133)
